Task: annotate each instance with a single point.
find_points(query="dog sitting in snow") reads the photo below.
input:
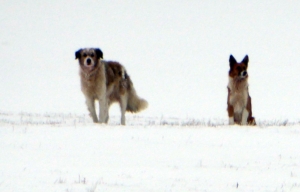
(239, 101)
(107, 82)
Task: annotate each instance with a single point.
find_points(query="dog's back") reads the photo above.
(119, 83)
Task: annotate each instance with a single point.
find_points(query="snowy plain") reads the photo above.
(177, 54)
(64, 152)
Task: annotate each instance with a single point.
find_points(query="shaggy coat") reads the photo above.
(238, 100)
(107, 82)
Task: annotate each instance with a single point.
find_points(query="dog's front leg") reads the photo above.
(230, 111)
(245, 115)
(103, 116)
(91, 107)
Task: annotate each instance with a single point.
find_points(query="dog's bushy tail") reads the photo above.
(135, 103)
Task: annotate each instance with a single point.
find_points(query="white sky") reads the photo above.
(176, 52)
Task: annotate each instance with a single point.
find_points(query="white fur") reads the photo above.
(238, 94)
(91, 107)
(123, 105)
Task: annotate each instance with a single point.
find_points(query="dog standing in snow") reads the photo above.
(107, 82)
(239, 101)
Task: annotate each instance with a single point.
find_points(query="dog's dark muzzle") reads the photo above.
(88, 61)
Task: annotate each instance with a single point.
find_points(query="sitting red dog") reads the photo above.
(239, 100)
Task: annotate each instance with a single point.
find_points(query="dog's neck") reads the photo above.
(238, 84)
(90, 74)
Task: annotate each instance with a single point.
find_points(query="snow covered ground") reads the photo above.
(67, 152)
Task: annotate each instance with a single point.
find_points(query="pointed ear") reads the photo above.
(232, 61)
(246, 60)
(99, 53)
(77, 54)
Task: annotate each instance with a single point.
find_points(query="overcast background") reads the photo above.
(176, 53)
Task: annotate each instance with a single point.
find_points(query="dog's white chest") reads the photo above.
(238, 95)
(238, 100)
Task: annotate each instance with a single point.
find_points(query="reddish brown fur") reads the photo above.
(250, 120)
(229, 107)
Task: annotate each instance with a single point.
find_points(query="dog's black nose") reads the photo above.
(88, 61)
(244, 73)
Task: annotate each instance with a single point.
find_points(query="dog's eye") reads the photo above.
(84, 55)
(92, 55)
(238, 68)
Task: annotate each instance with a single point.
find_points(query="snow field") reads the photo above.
(92, 157)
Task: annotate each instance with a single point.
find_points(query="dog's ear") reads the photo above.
(99, 53)
(77, 54)
(246, 60)
(232, 61)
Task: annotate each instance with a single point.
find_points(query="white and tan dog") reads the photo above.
(239, 101)
(107, 82)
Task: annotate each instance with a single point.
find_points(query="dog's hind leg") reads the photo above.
(251, 120)
(123, 106)
(91, 107)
